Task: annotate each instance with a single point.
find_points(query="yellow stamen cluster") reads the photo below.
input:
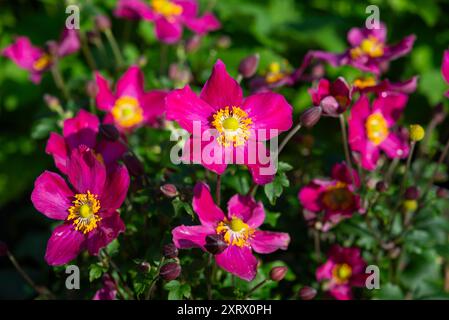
(417, 132)
(83, 213)
(233, 125)
(127, 112)
(337, 197)
(363, 83)
(235, 232)
(342, 273)
(370, 46)
(166, 8)
(376, 128)
(274, 73)
(42, 63)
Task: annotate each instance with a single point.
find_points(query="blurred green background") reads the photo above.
(277, 29)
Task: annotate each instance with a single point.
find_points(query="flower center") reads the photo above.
(83, 213)
(233, 125)
(42, 63)
(370, 46)
(166, 8)
(376, 128)
(235, 232)
(342, 272)
(338, 197)
(274, 73)
(363, 83)
(127, 112)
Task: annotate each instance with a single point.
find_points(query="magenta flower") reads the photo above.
(82, 130)
(235, 127)
(108, 291)
(370, 130)
(336, 198)
(369, 50)
(369, 84)
(37, 60)
(445, 68)
(130, 107)
(276, 76)
(333, 97)
(88, 208)
(344, 268)
(238, 228)
(169, 17)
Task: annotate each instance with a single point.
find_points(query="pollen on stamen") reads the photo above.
(233, 126)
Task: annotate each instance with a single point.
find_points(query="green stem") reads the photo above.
(259, 285)
(218, 190)
(407, 168)
(288, 137)
(59, 81)
(153, 282)
(346, 147)
(87, 53)
(114, 46)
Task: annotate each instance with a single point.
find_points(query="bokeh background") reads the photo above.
(277, 29)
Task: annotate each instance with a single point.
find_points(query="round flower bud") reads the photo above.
(3, 249)
(145, 266)
(417, 132)
(193, 43)
(278, 273)
(91, 89)
(224, 42)
(109, 132)
(331, 106)
(170, 251)
(134, 166)
(248, 66)
(102, 22)
(170, 271)
(442, 193)
(169, 190)
(412, 193)
(215, 244)
(307, 293)
(381, 186)
(410, 205)
(311, 116)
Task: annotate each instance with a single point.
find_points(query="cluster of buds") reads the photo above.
(171, 270)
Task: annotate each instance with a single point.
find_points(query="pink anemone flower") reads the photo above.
(369, 50)
(369, 84)
(333, 97)
(130, 106)
(344, 269)
(370, 130)
(83, 129)
(36, 60)
(445, 68)
(228, 128)
(108, 291)
(239, 229)
(88, 208)
(336, 198)
(169, 17)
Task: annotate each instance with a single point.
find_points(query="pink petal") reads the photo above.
(51, 195)
(115, 189)
(64, 245)
(340, 172)
(111, 151)
(69, 43)
(105, 99)
(134, 9)
(57, 148)
(309, 197)
(202, 25)
(153, 104)
(400, 49)
(341, 292)
(268, 241)
(322, 91)
(245, 208)
(209, 154)
(269, 112)
(185, 237)
(130, 83)
(81, 130)
(324, 272)
(86, 172)
(189, 7)
(445, 66)
(370, 155)
(108, 291)
(184, 106)
(108, 229)
(238, 261)
(203, 204)
(167, 31)
(395, 147)
(23, 53)
(391, 106)
(221, 90)
(260, 163)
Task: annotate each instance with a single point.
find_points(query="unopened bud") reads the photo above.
(215, 244)
(224, 42)
(52, 102)
(412, 193)
(169, 190)
(91, 89)
(278, 273)
(102, 22)
(3, 249)
(170, 251)
(417, 132)
(248, 66)
(134, 166)
(145, 266)
(307, 293)
(193, 43)
(109, 132)
(170, 271)
(410, 205)
(311, 116)
(330, 106)
(381, 186)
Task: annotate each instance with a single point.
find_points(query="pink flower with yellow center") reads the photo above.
(344, 269)
(237, 126)
(88, 208)
(169, 17)
(371, 130)
(239, 229)
(130, 106)
(83, 129)
(335, 198)
(37, 60)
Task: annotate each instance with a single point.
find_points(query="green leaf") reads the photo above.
(180, 206)
(96, 271)
(389, 291)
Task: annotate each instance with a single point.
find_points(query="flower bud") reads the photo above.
(170, 251)
(412, 193)
(224, 42)
(134, 166)
(410, 205)
(91, 89)
(109, 132)
(417, 132)
(52, 102)
(102, 22)
(278, 273)
(311, 116)
(442, 193)
(170, 271)
(145, 266)
(169, 190)
(248, 66)
(330, 106)
(193, 43)
(179, 74)
(381, 186)
(3, 249)
(215, 244)
(307, 293)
